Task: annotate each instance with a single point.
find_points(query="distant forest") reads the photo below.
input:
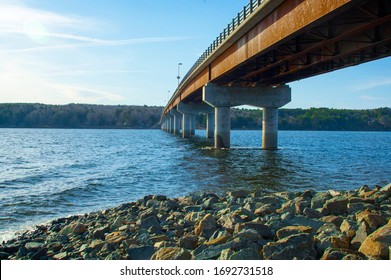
(18, 115)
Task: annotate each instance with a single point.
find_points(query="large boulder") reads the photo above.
(171, 253)
(299, 246)
(377, 244)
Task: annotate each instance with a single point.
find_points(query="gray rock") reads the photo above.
(299, 246)
(213, 252)
(34, 246)
(312, 213)
(246, 254)
(360, 235)
(319, 199)
(4, 256)
(337, 205)
(249, 234)
(263, 230)
(189, 241)
(171, 253)
(100, 232)
(239, 193)
(140, 252)
(329, 236)
(315, 224)
(117, 223)
(149, 222)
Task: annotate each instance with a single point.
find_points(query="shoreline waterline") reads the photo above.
(237, 225)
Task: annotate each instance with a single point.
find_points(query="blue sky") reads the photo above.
(127, 52)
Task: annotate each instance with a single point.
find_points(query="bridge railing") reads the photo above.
(232, 26)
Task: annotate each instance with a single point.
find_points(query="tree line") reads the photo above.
(26, 115)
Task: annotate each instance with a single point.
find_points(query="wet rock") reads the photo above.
(206, 226)
(377, 244)
(171, 253)
(140, 252)
(34, 246)
(299, 246)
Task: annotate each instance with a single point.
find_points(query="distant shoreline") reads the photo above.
(89, 116)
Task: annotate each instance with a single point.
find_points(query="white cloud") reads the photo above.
(80, 94)
(379, 82)
(95, 44)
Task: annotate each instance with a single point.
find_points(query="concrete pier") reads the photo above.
(270, 128)
(222, 132)
(177, 121)
(186, 125)
(189, 111)
(210, 125)
(268, 98)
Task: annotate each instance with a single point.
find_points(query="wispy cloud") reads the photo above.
(87, 95)
(96, 43)
(383, 81)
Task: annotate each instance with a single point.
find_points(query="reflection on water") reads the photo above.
(51, 173)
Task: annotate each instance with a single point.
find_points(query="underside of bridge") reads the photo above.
(350, 36)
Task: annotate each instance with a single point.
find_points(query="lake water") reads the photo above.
(50, 173)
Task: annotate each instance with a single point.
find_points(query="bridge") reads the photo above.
(267, 45)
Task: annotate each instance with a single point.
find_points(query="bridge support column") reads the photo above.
(222, 132)
(177, 119)
(210, 125)
(193, 124)
(269, 98)
(190, 111)
(270, 128)
(186, 125)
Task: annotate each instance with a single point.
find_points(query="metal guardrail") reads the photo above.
(232, 26)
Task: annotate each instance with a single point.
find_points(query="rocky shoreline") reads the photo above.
(309, 225)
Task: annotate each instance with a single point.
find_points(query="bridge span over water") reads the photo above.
(269, 44)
